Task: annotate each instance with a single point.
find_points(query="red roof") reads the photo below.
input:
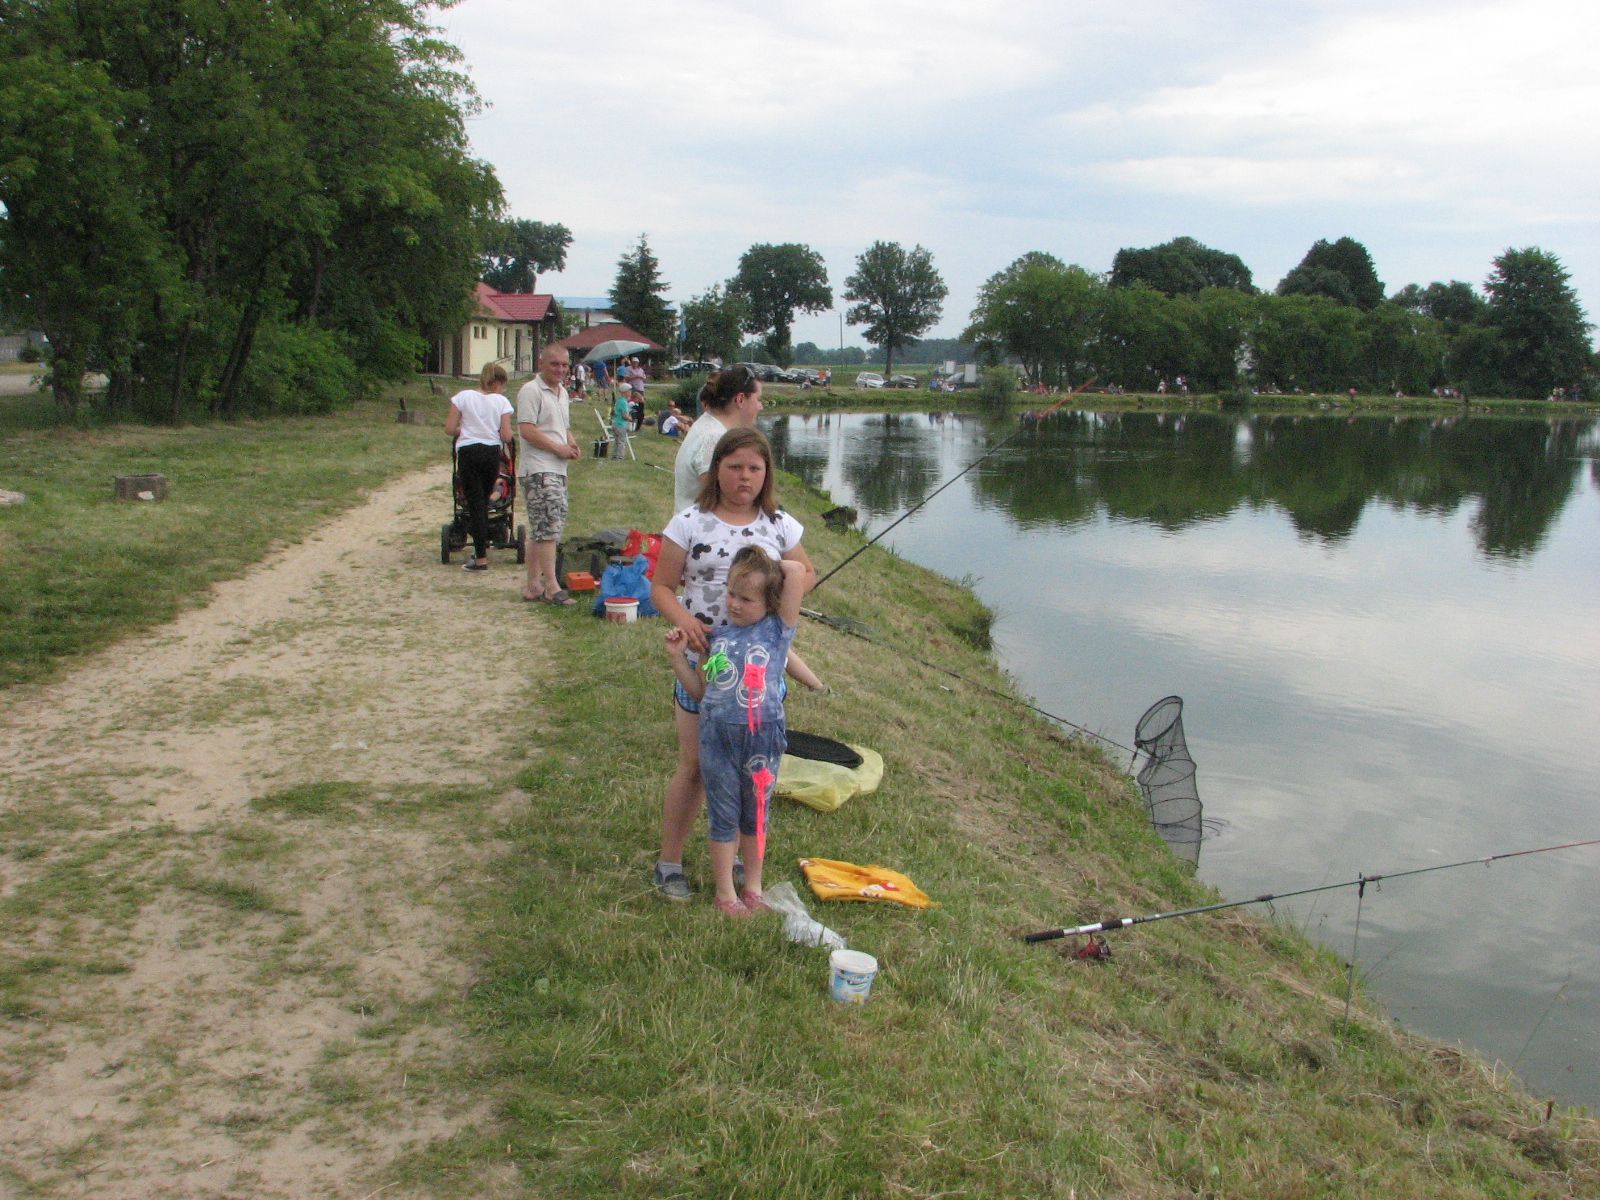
(586, 339)
(514, 306)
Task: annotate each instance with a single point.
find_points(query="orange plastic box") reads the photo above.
(580, 581)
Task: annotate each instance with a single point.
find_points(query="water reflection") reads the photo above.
(1173, 470)
(1384, 634)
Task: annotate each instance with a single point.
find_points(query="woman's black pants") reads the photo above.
(477, 466)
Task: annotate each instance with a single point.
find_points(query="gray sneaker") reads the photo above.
(674, 886)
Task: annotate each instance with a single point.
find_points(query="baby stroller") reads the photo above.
(502, 510)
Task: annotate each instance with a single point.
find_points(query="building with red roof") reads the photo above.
(505, 327)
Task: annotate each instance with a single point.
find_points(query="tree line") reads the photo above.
(233, 208)
(895, 295)
(1183, 311)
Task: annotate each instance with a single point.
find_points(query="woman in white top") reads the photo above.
(480, 423)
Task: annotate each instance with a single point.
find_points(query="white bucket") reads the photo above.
(853, 973)
(622, 609)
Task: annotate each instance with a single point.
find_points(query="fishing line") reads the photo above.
(855, 629)
(924, 501)
(1361, 881)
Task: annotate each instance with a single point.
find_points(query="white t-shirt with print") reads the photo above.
(709, 544)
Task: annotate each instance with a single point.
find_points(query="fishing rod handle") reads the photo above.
(1047, 935)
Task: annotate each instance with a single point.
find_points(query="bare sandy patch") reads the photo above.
(228, 997)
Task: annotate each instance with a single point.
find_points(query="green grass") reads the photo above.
(639, 1048)
(79, 569)
(620, 1045)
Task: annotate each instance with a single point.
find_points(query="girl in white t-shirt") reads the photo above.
(480, 422)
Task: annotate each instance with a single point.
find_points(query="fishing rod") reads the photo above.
(1360, 882)
(923, 502)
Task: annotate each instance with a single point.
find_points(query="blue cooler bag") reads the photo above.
(626, 578)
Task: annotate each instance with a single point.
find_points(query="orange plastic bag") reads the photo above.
(831, 879)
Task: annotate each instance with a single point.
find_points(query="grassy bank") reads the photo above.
(631, 1047)
(649, 1049)
(79, 569)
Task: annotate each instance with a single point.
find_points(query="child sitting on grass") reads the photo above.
(742, 727)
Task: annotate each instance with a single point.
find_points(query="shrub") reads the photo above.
(687, 395)
(28, 354)
(298, 369)
(998, 388)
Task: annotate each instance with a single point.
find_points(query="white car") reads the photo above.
(869, 379)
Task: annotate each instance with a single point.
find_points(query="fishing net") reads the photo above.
(1167, 781)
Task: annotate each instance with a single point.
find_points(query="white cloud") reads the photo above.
(1462, 99)
(1264, 180)
(1436, 132)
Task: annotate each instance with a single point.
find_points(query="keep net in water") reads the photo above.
(1171, 796)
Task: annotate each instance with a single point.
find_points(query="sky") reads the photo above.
(1437, 133)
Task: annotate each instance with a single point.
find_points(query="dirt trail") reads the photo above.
(230, 854)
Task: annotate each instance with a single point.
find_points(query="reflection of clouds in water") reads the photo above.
(1379, 633)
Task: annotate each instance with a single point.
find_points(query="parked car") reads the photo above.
(766, 372)
(869, 379)
(691, 366)
(807, 376)
(901, 381)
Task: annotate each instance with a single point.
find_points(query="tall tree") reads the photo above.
(1307, 342)
(518, 250)
(1346, 258)
(1543, 331)
(638, 295)
(1403, 350)
(1452, 304)
(1043, 312)
(712, 322)
(1181, 267)
(897, 295)
(290, 194)
(777, 281)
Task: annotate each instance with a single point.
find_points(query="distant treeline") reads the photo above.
(1186, 312)
(928, 351)
(1187, 316)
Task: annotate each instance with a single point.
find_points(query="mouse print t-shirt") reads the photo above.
(709, 544)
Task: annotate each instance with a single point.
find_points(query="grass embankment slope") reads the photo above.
(632, 1047)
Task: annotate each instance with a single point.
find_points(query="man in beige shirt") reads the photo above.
(544, 428)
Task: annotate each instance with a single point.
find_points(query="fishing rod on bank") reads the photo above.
(924, 501)
(1359, 882)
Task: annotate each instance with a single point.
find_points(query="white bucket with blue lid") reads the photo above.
(853, 972)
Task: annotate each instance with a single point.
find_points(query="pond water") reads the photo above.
(1384, 633)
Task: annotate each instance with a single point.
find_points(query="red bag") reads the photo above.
(647, 544)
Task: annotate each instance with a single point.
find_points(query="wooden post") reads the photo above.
(140, 487)
(410, 417)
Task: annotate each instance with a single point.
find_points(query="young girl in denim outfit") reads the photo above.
(742, 727)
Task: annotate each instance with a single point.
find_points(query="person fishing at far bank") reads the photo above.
(742, 722)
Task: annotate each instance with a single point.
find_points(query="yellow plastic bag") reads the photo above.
(825, 786)
(831, 879)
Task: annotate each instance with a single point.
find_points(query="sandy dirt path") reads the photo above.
(233, 853)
